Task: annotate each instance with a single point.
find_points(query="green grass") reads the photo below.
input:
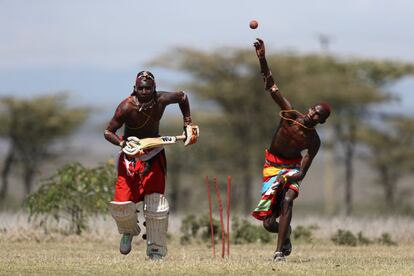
(73, 255)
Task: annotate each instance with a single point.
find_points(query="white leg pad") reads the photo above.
(125, 216)
(156, 216)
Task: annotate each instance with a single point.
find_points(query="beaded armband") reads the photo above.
(274, 89)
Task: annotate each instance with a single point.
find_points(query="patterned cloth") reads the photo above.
(274, 167)
(138, 177)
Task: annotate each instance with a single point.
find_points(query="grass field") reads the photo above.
(26, 249)
(77, 256)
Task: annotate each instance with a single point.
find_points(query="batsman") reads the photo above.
(285, 167)
(142, 173)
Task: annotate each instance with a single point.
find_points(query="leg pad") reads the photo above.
(156, 210)
(125, 216)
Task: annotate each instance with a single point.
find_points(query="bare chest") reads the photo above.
(143, 123)
(294, 136)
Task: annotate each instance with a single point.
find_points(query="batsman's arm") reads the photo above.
(185, 108)
(182, 100)
(269, 82)
(191, 132)
(116, 123)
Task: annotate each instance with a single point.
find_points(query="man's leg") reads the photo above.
(156, 211)
(125, 216)
(270, 223)
(287, 244)
(284, 223)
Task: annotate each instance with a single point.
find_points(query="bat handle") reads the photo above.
(180, 137)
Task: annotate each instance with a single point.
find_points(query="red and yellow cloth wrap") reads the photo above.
(274, 167)
(137, 178)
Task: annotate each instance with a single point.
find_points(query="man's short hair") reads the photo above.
(325, 111)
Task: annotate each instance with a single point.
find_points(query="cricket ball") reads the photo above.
(253, 24)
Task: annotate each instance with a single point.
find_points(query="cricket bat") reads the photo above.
(134, 144)
(149, 143)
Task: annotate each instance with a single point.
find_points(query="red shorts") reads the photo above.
(132, 185)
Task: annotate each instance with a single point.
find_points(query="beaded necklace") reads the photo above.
(292, 120)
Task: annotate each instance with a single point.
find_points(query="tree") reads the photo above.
(390, 152)
(362, 88)
(32, 127)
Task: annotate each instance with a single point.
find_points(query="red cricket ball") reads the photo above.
(253, 24)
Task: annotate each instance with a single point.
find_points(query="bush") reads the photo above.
(303, 233)
(245, 232)
(344, 237)
(198, 229)
(74, 193)
(204, 222)
(363, 240)
(189, 228)
(385, 239)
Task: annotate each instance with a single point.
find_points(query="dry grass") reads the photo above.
(26, 249)
(83, 257)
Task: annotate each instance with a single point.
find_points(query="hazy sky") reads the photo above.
(94, 48)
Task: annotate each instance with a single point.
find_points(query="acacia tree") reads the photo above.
(390, 152)
(32, 127)
(365, 87)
